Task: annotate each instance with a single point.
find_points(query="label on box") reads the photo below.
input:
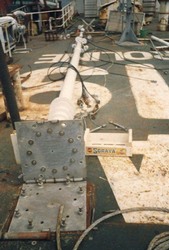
(106, 151)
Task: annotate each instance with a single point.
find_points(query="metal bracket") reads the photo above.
(51, 151)
(38, 208)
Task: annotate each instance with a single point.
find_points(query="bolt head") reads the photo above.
(38, 134)
(74, 150)
(31, 142)
(29, 152)
(49, 131)
(34, 162)
(43, 169)
(70, 140)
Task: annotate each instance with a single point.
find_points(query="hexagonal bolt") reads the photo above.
(70, 140)
(38, 134)
(29, 152)
(40, 181)
(63, 222)
(80, 210)
(30, 142)
(23, 192)
(43, 169)
(80, 190)
(72, 160)
(61, 133)
(17, 213)
(30, 224)
(49, 131)
(67, 180)
(54, 171)
(74, 150)
(33, 162)
(63, 125)
(65, 168)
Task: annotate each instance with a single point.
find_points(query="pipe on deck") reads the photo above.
(62, 108)
(159, 40)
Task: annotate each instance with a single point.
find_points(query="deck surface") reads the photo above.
(131, 83)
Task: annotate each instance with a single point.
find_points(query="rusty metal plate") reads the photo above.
(38, 207)
(52, 150)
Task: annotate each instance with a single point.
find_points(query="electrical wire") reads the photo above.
(56, 65)
(127, 60)
(114, 73)
(122, 64)
(69, 65)
(115, 213)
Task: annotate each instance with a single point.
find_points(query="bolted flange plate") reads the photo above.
(38, 207)
(52, 150)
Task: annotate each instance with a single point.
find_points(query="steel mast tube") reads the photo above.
(159, 40)
(62, 107)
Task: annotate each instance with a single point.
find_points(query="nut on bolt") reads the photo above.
(43, 169)
(67, 180)
(70, 140)
(30, 223)
(23, 192)
(49, 131)
(80, 191)
(17, 213)
(33, 162)
(74, 150)
(61, 133)
(63, 222)
(54, 171)
(38, 134)
(80, 210)
(31, 142)
(72, 160)
(29, 152)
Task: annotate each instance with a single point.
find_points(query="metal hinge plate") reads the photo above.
(37, 209)
(51, 150)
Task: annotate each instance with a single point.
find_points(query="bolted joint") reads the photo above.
(63, 222)
(17, 213)
(80, 190)
(30, 224)
(80, 210)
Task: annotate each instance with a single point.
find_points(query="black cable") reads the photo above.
(69, 65)
(57, 65)
(160, 242)
(114, 73)
(127, 60)
(103, 60)
(82, 82)
(105, 49)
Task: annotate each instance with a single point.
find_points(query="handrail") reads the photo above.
(67, 13)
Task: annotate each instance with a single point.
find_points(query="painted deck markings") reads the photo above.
(151, 92)
(149, 186)
(51, 58)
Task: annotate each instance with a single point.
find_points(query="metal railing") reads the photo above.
(7, 45)
(61, 17)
